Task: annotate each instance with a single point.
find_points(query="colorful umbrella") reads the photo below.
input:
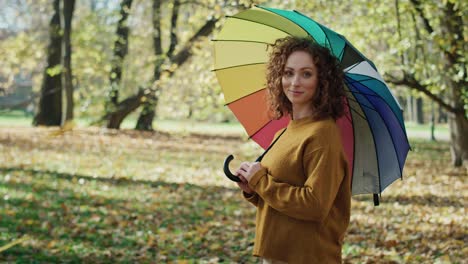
(373, 130)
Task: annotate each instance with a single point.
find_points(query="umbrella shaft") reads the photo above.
(269, 147)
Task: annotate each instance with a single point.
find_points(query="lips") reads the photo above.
(295, 92)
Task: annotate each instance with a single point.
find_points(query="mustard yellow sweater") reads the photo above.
(303, 195)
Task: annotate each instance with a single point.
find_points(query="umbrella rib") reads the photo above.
(258, 130)
(367, 94)
(352, 66)
(359, 92)
(395, 151)
(320, 26)
(237, 66)
(376, 154)
(363, 80)
(391, 138)
(247, 95)
(354, 141)
(253, 21)
(370, 79)
(346, 42)
(373, 137)
(289, 20)
(376, 95)
(240, 40)
(355, 111)
(366, 106)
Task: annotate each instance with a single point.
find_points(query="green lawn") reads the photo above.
(18, 119)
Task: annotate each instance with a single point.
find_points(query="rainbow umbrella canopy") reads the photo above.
(372, 129)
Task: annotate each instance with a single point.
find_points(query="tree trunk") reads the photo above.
(147, 115)
(68, 8)
(120, 52)
(459, 139)
(114, 119)
(433, 121)
(452, 26)
(442, 117)
(145, 120)
(419, 111)
(50, 103)
(409, 108)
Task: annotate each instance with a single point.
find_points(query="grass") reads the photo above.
(103, 196)
(19, 119)
(119, 197)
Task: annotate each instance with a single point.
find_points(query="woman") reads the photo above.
(302, 187)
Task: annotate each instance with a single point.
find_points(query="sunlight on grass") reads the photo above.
(184, 127)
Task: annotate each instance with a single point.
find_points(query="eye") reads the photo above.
(307, 74)
(288, 73)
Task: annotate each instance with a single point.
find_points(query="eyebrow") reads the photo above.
(309, 68)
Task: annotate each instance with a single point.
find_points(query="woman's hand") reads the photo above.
(248, 169)
(244, 185)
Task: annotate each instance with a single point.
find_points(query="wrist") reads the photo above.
(248, 194)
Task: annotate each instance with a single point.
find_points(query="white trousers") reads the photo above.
(272, 261)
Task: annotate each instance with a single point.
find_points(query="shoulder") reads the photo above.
(324, 133)
(324, 128)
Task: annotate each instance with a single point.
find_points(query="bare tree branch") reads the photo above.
(427, 25)
(195, 3)
(174, 17)
(410, 81)
(157, 43)
(185, 53)
(120, 50)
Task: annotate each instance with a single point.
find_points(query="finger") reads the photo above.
(242, 173)
(243, 179)
(245, 166)
(255, 165)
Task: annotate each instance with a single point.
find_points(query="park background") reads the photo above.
(113, 131)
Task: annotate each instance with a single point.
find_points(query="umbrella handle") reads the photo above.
(228, 173)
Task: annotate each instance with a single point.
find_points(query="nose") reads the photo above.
(295, 80)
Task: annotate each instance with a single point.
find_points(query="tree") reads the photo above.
(58, 72)
(120, 51)
(67, 11)
(442, 76)
(145, 120)
(149, 96)
(50, 103)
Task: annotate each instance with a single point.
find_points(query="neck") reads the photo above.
(301, 112)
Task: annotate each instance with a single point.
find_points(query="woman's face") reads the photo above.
(300, 79)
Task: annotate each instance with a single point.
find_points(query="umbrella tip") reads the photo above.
(376, 199)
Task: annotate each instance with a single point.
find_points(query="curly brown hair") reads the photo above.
(327, 100)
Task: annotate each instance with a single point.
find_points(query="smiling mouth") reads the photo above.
(295, 92)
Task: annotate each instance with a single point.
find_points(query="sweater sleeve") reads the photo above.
(313, 200)
(251, 198)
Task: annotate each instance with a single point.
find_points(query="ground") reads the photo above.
(96, 195)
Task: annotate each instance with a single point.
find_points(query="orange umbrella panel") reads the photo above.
(251, 111)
